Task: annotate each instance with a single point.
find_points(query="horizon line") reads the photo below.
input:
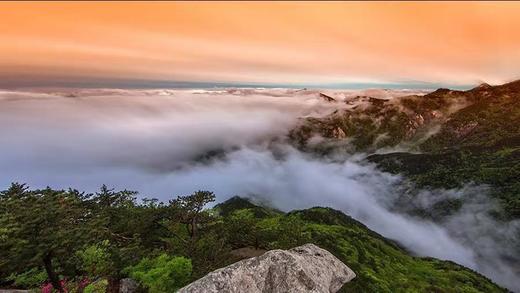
(25, 83)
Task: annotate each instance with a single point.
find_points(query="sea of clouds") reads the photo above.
(164, 143)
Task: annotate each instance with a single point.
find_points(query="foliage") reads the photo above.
(95, 259)
(163, 273)
(109, 235)
(241, 226)
(32, 278)
(188, 210)
(238, 203)
(375, 259)
(381, 265)
(41, 227)
(99, 286)
(497, 167)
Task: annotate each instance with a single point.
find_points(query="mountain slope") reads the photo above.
(443, 139)
(485, 115)
(380, 264)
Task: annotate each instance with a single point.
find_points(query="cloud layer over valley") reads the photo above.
(164, 143)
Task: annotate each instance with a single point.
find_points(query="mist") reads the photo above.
(165, 143)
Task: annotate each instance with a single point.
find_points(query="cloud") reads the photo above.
(295, 181)
(164, 143)
(155, 130)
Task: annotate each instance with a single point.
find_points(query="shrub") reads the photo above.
(163, 273)
(95, 259)
(96, 287)
(32, 278)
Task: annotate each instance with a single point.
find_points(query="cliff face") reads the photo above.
(305, 268)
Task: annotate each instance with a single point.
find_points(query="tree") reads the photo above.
(95, 259)
(126, 229)
(112, 225)
(242, 230)
(189, 210)
(41, 228)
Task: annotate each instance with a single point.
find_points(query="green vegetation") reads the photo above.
(29, 279)
(382, 266)
(162, 274)
(500, 169)
(96, 287)
(72, 241)
(95, 240)
(479, 143)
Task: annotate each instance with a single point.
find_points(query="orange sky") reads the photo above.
(317, 42)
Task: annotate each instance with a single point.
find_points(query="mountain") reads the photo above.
(485, 115)
(444, 139)
(240, 203)
(380, 264)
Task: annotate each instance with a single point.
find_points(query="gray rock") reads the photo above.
(306, 268)
(128, 285)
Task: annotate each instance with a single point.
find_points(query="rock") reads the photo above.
(128, 285)
(306, 268)
(327, 98)
(338, 133)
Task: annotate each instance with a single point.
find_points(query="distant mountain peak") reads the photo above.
(483, 86)
(441, 91)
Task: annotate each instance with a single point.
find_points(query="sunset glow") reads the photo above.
(262, 42)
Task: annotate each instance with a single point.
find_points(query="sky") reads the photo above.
(316, 43)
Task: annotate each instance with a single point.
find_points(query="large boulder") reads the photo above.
(306, 268)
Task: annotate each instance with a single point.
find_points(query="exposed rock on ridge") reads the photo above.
(306, 268)
(327, 98)
(438, 120)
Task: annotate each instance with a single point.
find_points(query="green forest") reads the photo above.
(72, 241)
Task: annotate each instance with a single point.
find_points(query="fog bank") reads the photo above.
(164, 143)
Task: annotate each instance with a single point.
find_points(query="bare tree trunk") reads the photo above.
(113, 285)
(188, 228)
(53, 277)
(194, 228)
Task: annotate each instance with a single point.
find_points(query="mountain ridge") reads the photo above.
(444, 139)
(381, 265)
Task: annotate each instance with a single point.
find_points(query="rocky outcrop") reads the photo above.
(412, 120)
(338, 133)
(327, 98)
(306, 268)
(128, 285)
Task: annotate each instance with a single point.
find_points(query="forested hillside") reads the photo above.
(74, 241)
